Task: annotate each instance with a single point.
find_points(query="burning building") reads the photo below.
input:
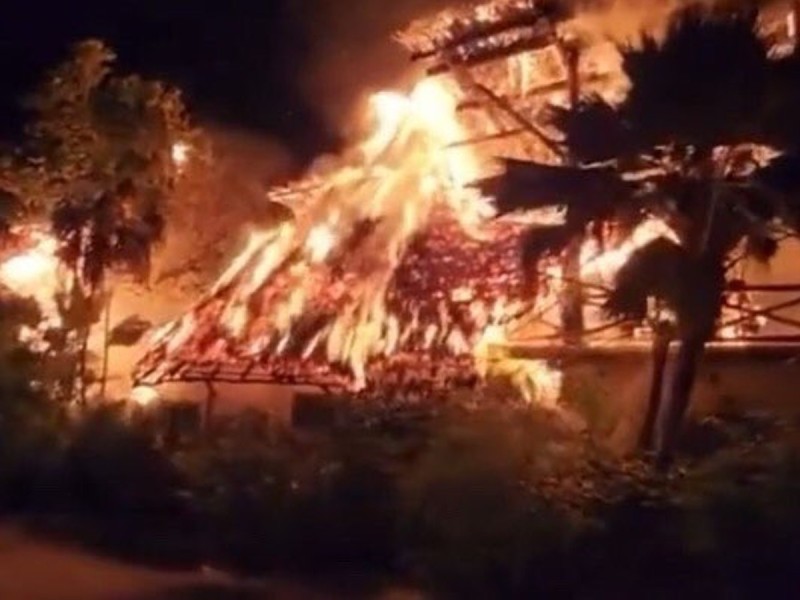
(395, 271)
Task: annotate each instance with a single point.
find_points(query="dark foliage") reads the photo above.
(706, 61)
(654, 271)
(526, 185)
(496, 502)
(594, 132)
(105, 233)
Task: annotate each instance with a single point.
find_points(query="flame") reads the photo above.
(180, 153)
(391, 261)
(321, 240)
(144, 396)
(33, 272)
(394, 271)
(361, 281)
(603, 265)
(28, 269)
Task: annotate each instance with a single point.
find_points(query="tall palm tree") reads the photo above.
(701, 106)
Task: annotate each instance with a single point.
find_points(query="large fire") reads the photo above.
(393, 272)
(32, 271)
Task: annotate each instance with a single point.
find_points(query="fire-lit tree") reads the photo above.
(689, 143)
(103, 155)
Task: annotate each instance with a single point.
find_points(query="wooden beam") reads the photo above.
(504, 105)
(500, 135)
(768, 313)
(452, 59)
(477, 31)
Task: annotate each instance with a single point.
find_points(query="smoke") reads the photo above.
(353, 53)
(233, 190)
(630, 21)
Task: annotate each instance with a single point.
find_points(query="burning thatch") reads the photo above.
(396, 271)
(389, 262)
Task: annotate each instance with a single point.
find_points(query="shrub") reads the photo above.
(473, 521)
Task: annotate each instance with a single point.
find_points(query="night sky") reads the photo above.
(287, 69)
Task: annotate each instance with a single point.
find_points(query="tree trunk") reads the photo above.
(106, 346)
(82, 363)
(679, 392)
(660, 353)
(572, 294)
(211, 401)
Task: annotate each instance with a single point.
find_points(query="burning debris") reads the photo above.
(482, 33)
(393, 273)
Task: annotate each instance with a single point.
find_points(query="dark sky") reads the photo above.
(282, 68)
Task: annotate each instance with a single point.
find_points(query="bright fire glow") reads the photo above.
(180, 153)
(33, 272)
(406, 232)
(144, 396)
(321, 240)
(394, 271)
(30, 268)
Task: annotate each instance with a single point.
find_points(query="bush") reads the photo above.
(115, 467)
(473, 521)
(493, 501)
(268, 499)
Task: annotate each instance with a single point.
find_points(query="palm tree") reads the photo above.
(700, 105)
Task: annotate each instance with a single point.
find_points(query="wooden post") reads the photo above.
(106, 346)
(572, 298)
(211, 400)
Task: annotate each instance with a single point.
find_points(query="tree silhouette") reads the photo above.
(99, 157)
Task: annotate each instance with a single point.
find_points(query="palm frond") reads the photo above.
(781, 180)
(526, 185)
(538, 243)
(704, 86)
(780, 117)
(594, 131)
(652, 271)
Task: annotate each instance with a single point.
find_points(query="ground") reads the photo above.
(33, 569)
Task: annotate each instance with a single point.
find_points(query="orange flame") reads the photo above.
(364, 276)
